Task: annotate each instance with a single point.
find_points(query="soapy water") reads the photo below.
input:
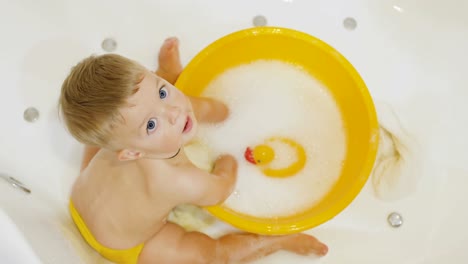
(269, 99)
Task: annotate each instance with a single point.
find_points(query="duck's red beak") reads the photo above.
(249, 155)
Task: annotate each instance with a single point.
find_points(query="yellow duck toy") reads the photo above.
(263, 154)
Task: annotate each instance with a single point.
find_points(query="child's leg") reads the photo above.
(169, 61)
(173, 245)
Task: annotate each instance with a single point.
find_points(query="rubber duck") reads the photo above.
(262, 155)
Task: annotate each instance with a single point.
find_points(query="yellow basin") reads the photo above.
(325, 64)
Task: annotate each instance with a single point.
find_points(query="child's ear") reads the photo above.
(126, 154)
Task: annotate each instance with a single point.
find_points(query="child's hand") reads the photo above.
(220, 111)
(208, 189)
(226, 166)
(208, 110)
(226, 162)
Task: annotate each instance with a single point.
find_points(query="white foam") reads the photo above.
(272, 98)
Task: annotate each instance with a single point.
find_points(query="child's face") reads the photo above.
(158, 121)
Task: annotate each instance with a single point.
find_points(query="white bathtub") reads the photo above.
(412, 54)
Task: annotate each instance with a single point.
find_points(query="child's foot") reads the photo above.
(304, 245)
(169, 60)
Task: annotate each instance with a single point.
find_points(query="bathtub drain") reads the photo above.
(109, 45)
(350, 23)
(259, 21)
(31, 114)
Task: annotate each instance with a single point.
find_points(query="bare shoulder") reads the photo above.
(89, 179)
(93, 187)
(168, 178)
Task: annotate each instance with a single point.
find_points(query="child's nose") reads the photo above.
(173, 113)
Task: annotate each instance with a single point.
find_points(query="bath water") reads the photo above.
(268, 99)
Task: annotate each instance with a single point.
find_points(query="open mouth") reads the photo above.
(188, 125)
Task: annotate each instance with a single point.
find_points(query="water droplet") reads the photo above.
(259, 21)
(31, 114)
(109, 44)
(350, 23)
(395, 219)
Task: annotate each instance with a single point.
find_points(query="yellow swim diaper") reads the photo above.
(121, 256)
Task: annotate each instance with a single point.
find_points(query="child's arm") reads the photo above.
(195, 186)
(208, 110)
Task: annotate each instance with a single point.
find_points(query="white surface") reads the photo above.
(46, 225)
(14, 249)
(411, 54)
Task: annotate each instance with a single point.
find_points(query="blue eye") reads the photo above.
(162, 92)
(151, 125)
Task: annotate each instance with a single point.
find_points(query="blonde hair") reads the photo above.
(92, 94)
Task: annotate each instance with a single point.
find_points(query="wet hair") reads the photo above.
(92, 94)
